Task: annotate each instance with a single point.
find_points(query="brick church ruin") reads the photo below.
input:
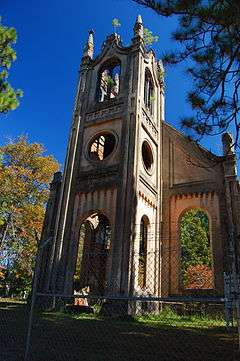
(114, 216)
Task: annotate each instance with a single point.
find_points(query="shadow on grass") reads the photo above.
(62, 337)
(13, 326)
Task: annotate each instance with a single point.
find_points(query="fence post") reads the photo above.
(34, 293)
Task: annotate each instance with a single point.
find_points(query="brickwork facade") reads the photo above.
(125, 164)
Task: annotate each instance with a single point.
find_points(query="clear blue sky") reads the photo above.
(51, 36)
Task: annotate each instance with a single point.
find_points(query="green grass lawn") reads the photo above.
(67, 337)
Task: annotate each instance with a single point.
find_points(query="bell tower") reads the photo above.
(107, 227)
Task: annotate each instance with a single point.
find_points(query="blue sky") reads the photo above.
(51, 36)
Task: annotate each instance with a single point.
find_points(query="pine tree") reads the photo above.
(9, 98)
(209, 33)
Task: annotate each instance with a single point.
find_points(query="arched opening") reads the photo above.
(109, 80)
(149, 91)
(92, 255)
(101, 146)
(196, 255)
(142, 256)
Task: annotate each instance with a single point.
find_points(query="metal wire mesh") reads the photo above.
(120, 329)
(162, 315)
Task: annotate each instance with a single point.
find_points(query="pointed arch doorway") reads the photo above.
(92, 258)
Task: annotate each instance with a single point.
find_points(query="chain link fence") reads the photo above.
(123, 328)
(172, 310)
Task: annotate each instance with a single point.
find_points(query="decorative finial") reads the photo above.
(139, 19)
(89, 47)
(160, 71)
(138, 28)
(227, 142)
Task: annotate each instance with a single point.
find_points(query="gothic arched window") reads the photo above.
(142, 262)
(196, 255)
(92, 254)
(148, 91)
(109, 80)
(103, 232)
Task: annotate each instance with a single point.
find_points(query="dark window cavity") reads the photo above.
(92, 254)
(142, 262)
(148, 91)
(147, 156)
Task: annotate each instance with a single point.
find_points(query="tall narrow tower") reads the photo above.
(107, 222)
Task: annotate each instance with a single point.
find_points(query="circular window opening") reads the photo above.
(147, 156)
(101, 146)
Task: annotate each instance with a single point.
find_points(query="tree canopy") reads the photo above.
(209, 33)
(9, 97)
(25, 173)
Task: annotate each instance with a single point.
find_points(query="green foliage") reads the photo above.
(167, 317)
(195, 242)
(109, 81)
(170, 317)
(208, 34)
(9, 98)
(116, 24)
(149, 38)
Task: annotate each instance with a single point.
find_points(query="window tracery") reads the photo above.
(101, 146)
(109, 81)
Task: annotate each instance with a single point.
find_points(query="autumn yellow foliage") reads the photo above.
(25, 173)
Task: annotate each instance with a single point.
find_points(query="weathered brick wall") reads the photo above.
(192, 178)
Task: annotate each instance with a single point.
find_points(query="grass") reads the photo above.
(170, 318)
(65, 337)
(166, 318)
(6, 300)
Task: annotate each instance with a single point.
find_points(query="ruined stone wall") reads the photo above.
(192, 178)
(178, 176)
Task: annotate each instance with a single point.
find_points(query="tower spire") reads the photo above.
(89, 47)
(138, 29)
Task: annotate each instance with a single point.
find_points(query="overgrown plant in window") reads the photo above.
(196, 258)
(109, 81)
